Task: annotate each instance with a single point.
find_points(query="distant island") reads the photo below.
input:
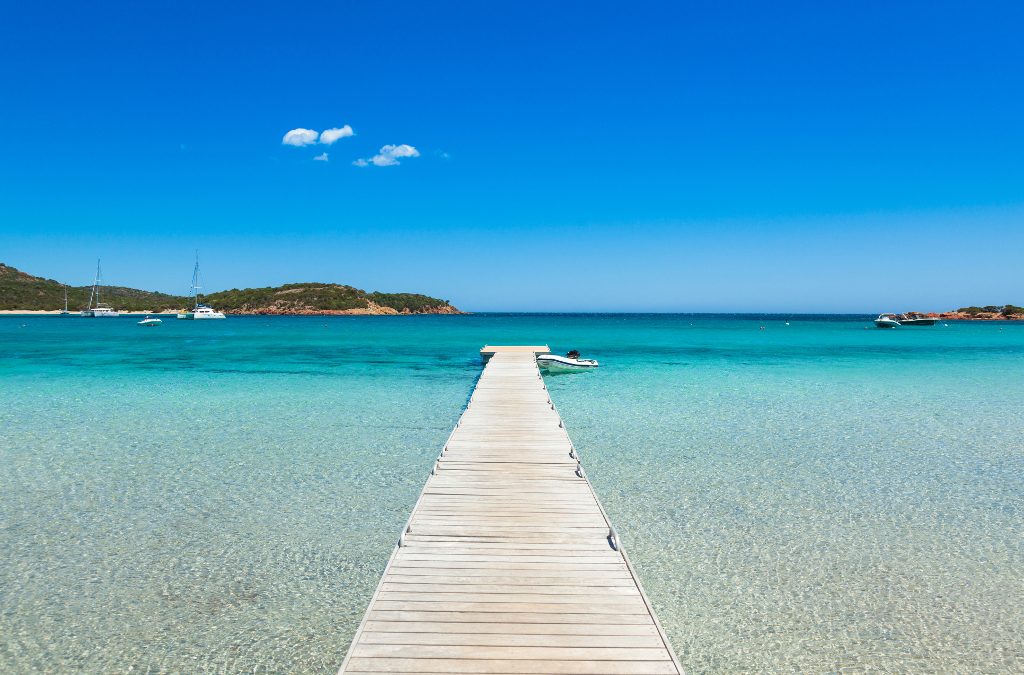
(20, 291)
(986, 313)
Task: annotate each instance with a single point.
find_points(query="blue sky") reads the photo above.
(571, 156)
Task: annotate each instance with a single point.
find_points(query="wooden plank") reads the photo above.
(512, 666)
(510, 628)
(470, 545)
(391, 586)
(517, 653)
(538, 598)
(552, 521)
(504, 617)
(528, 566)
(514, 349)
(622, 608)
(394, 637)
(506, 566)
(583, 557)
(497, 545)
(582, 581)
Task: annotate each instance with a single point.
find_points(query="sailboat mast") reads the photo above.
(92, 291)
(65, 298)
(196, 284)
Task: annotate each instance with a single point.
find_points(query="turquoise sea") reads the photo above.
(222, 496)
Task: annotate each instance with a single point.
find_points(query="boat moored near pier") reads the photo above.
(569, 362)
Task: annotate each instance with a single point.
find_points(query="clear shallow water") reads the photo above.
(223, 497)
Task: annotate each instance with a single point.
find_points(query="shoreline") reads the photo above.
(57, 312)
(378, 311)
(960, 316)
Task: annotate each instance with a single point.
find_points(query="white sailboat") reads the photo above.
(96, 308)
(199, 310)
(65, 311)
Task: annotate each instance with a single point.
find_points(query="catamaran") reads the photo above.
(199, 310)
(96, 308)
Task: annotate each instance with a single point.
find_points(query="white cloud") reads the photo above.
(322, 157)
(329, 136)
(389, 155)
(299, 137)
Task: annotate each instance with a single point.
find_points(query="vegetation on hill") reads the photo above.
(19, 290)
(289, 296)
(1005, 310)
(302, 298)
(407, 302)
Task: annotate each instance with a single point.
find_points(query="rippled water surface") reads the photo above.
(223, 496)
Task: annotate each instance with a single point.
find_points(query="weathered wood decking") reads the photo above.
(508, 563)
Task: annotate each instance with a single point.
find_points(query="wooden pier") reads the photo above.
(508, 563)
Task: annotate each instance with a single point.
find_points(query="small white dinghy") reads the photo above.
(148, 321)
(564, 364)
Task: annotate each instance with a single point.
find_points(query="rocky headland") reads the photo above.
(986, 313)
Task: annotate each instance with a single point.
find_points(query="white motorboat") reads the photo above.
(886, 321)
(148, 321)
(200, 310)
(96, 308)
(568, 363)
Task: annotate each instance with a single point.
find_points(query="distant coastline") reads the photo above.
(960, 316)
(389, 311)
(23, 293)
(373, 311)
(986, 313)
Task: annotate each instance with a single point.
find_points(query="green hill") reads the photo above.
(314, 298)
(19, 290)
